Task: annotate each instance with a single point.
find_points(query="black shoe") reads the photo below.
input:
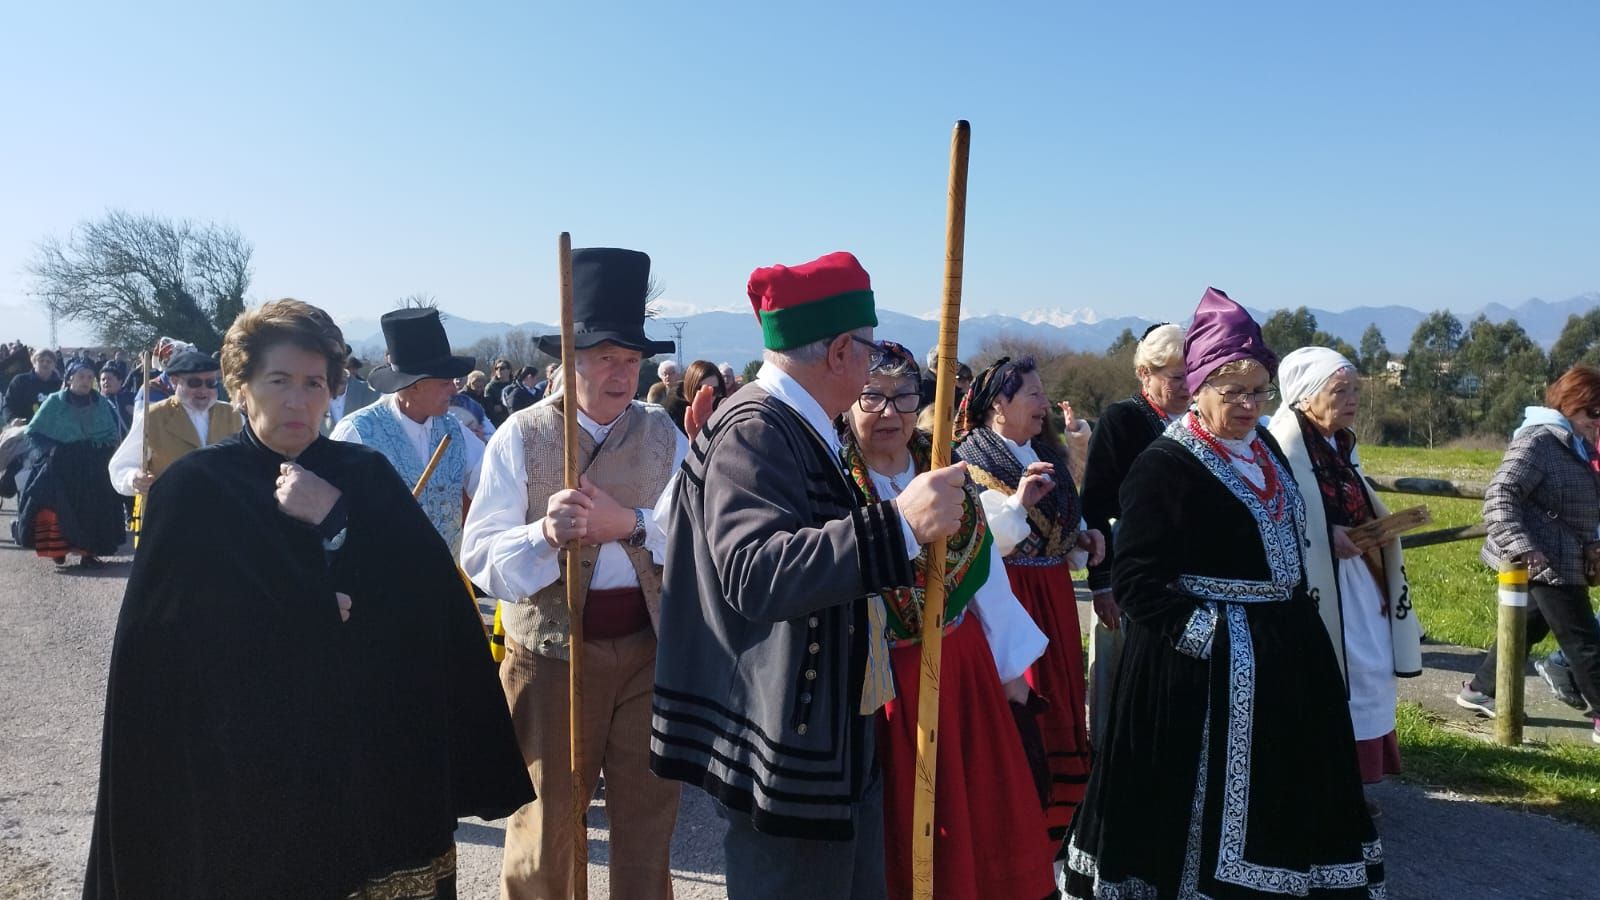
(89, 562)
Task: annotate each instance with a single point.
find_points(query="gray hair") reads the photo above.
(668, 368)
(806, 354)
(1163, 346)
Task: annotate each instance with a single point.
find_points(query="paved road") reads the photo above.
(55, 636)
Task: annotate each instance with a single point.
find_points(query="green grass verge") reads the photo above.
(1556, 780)
(1451, 589)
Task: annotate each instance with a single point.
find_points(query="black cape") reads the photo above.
(71, 480)
(254, 744)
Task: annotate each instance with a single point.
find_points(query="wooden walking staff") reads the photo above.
(569, 415)
(144, 447)
(934, 587)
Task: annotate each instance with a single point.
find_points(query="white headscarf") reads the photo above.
(1304, 372)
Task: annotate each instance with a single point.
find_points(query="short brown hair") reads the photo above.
(1577, 389)
(286, 321)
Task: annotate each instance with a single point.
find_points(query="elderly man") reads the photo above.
(521, 514)
(189, 420)
(773, 658)
(413, 418)
(671, 378)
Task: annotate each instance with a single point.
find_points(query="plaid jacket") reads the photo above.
(1543, 497)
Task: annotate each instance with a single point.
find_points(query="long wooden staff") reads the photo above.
(575, 598)
(934, 589)
(144, 446)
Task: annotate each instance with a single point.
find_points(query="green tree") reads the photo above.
(1579, 342)
(1501, 370)
(1125, 343)
(1285, 331)
(1432, 378)
(134, 278)
(1374, 358)
(751, 369)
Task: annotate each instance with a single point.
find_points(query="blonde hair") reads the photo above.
(1163, 346)
(286, 321)
(1237, 367)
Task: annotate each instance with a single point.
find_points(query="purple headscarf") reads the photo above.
(1222, 332)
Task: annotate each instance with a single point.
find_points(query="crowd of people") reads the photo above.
(753, 562)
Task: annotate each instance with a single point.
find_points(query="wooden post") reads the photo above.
(573, 551)
(934, 589)
(1511, 661)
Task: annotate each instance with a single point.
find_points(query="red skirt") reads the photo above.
(1378, 757)
(989, 837)
(1046, 593)
(47, 539)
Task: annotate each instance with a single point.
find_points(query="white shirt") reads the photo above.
(1025, 454)
(507, 555)
(420, 434)
(127, 462)
(1014, 639)
(336, 407)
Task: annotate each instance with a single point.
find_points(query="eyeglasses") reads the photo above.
(1240, 398)
(874, 402)
(195, 384)
(874, 354)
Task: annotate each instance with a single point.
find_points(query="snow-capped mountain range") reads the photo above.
(729, 334)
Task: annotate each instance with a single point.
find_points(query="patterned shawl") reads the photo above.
(68, 420)
(1054, 520)
(1344, 498)
(966, 565)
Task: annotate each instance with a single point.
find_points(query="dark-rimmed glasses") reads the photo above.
(874, 402)
(1240, 398)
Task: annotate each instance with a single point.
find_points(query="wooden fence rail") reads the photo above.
(1434, 487)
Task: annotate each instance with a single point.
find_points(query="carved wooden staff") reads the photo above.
(569, 415)
(934, 587)
(144, 448)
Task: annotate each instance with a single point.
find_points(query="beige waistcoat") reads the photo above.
(171, 434)
(633, 466)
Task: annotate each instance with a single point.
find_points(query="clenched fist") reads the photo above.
(303, 495)
(931, 503)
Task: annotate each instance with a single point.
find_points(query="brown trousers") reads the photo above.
(618, 685)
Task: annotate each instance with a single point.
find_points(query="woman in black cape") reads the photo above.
(1229, 767)
(301, 701)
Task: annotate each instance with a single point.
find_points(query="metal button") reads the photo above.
(812, 621)
(805, 697)
(586, 564)
(851, 630)
(811, 674)
(815, 649)
(801, 728)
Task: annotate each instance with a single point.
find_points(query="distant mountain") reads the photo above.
(721, 335)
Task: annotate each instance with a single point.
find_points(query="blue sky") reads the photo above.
(1124, 155)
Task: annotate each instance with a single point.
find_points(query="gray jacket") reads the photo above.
(1543, 497)
(771, 556)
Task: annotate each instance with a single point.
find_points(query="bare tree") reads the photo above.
(419, 300)
(134, 278)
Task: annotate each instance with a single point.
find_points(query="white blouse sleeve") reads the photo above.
(1008, 521)
(500, 550)
(1013, 637)
(125, 464)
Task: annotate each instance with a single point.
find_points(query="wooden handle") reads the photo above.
(569, 416)
(433, 463)
(934, 590)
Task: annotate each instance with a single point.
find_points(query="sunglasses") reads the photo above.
(195, 384)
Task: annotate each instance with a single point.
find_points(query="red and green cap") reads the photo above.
(815, 300)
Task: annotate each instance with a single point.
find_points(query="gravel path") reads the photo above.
(55, 636)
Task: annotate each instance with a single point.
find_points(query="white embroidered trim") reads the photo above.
(1195, 641)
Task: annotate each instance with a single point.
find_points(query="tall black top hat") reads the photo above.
(418, 349)
(608, 299)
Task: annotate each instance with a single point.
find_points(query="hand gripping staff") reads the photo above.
(934, 586)
(569, 416)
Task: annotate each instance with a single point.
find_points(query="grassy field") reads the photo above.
(1558, 780)
(1453, 591)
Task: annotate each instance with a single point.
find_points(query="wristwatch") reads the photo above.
(636, 538)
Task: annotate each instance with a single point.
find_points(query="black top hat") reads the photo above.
(418, 349)
(608, 298)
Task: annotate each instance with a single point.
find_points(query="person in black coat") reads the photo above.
(27, 391)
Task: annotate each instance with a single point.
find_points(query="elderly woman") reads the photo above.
(1361, 590)
(67, 505)
(1009, 451)
(990, 836)
(1542, 507)
(300, 703)
(1228, 768)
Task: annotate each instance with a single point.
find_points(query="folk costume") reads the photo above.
(773, 657)
(336, 760)
(631, 458)
(1229, 768)
(418, 349)
(1364, 602)
(1040, 573)
(66, 506)
(175, 428)
(989, 829)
